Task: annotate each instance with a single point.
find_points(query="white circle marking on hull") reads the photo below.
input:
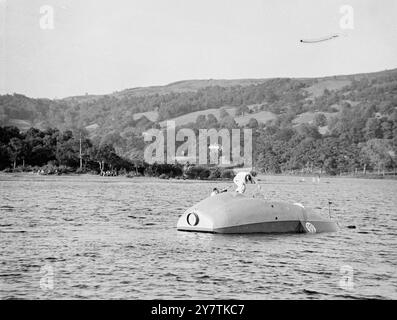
(310, 228)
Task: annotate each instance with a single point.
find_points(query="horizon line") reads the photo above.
(202, 79)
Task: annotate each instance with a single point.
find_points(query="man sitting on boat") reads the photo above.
(215, 191)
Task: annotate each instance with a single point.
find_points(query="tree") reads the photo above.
(387, 129)
(373, 129)
(67, 153)
(242, 110)
(253, 123)
(6, 133)
(320, 120)
(223, 113)
(212, 121)
(379, 152)
(271, 97)
(228, 123)
(4, 157)
(135, 156)
(16, 150)
(308, 131)
(104, 154)
(201, 121)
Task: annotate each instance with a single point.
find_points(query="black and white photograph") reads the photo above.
(198, 150)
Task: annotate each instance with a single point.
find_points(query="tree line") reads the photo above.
(357, 140)
(62, 151)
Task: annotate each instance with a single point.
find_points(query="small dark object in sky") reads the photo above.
(330, 37)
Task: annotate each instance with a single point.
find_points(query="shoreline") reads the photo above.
(259, 177)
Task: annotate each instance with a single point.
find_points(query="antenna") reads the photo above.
(329, 208)
(80, 156)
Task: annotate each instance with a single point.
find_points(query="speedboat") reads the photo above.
(232, 212)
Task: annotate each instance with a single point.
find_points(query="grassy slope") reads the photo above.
(192, 116)
(261, 116)
(330, 83)
(317, 89)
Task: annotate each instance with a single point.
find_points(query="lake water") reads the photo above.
(88, 237)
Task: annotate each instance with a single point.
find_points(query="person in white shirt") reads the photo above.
(241, 179)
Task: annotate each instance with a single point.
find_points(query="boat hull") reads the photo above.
(232, 212)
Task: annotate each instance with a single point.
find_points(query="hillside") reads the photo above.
(242, 120)
(184, 101)
(186, 86)
(334, 124)
(174, 87)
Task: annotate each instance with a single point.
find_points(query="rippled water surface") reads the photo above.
(113, 237)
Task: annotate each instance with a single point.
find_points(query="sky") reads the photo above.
(102, 46)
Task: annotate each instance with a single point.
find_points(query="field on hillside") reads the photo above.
(192, 116)
(151, 115)
(21, 124)
(261, 116)
(317, 89)
(308, 117)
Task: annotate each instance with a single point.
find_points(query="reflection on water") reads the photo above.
(108, 237)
